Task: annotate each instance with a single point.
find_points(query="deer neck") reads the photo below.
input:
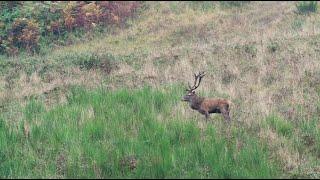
(195, 102)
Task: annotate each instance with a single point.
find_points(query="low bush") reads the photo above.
(307, 7)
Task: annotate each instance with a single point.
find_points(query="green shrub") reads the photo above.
(273, 47)
(251, 49)
(87, 61)
(202, 5)
(307, 7)
(233, 3)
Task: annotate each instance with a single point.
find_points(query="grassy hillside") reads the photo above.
(100, 134)
(263, 56)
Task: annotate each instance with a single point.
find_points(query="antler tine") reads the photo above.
(200, 76)
(196, 77)
(195, 80)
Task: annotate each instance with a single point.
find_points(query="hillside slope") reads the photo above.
(262, 56)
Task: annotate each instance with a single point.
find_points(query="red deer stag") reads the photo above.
(206, 105)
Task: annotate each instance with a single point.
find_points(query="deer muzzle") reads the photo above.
(184, 98)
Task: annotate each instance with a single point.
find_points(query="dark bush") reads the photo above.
(234, 3)
(24, 34)
(307, 7)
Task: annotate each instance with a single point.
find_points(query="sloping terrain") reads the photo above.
(262, 56)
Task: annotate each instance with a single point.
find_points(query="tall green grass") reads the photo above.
(281, 126)
(310, 135)
(93, 134)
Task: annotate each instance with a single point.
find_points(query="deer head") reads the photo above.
(191, 90)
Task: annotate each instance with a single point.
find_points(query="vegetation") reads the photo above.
(307, 7)
(234, 3)
(101, 134)
(106, 102)
(27, 25)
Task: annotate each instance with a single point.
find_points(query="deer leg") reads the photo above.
(206, 113)
(226, 115)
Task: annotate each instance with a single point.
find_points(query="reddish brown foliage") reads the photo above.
(62, 17)
(87, 15)
(23, 34)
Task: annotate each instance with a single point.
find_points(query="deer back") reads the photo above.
(214, 105)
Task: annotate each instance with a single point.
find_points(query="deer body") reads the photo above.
(207, 106)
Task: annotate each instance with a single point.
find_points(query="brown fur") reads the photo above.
(206, 106)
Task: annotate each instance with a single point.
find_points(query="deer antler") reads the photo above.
(196, 77)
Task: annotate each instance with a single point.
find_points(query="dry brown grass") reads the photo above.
(230, 71)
